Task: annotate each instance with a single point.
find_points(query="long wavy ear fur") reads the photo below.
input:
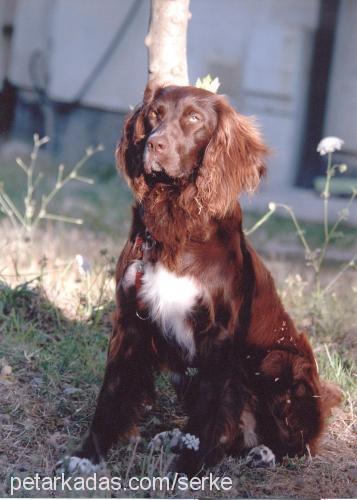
(233, 161)
(130, 150)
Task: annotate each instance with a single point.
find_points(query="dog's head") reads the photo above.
(186, 135)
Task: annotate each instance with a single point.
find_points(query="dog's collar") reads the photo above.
(144, 242)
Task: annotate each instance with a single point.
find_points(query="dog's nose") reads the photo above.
(157, 144)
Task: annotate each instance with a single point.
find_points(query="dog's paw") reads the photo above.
(260, 456)
(167, 439)
(75, 466)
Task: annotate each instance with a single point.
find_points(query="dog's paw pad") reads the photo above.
(76, 466)
(260, 456)
(167, 439)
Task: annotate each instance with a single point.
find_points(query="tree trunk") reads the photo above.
(166, 41)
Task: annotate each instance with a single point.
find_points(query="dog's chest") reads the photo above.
(170, 299)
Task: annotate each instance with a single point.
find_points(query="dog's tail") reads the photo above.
(331, 396)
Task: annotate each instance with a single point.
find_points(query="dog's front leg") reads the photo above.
(214, 401)
(128, 383)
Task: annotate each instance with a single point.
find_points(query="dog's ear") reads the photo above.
(233, 161)
(275, 364)
(130, 150)
(294, 371)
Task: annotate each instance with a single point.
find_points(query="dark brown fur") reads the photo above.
(253, 366)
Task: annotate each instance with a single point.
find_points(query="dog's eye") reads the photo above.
(194, 117)
(153, 114)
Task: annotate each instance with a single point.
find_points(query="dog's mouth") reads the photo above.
(155, 173)
(155, 166)
(158, 177)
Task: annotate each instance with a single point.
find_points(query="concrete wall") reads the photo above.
(71, 38)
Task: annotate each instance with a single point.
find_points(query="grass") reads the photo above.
(54, 328)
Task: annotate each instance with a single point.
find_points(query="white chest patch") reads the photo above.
(169, 299)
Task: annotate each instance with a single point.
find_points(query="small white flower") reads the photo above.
(215, 84)
(191, 442)
(208, 83)
(169, 439)
(344, 213)
(82, 264)
(78, 465)
(272, 206)
(176, 432)
(329, 145)
(191, 372)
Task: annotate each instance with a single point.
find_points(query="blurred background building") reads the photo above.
(72, 69)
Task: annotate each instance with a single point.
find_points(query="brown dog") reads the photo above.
(193, 293)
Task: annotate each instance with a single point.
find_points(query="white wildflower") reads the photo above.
(191, 442)
(208, 83)
(79, 465)
(191, 372)
(82, 264)
(171, 439)
(272, 206)
(329, 145)
(214, 85)
(344, 213)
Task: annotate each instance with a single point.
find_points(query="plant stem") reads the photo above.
(299, 230)
(30, 189)
(61, 218)
(60, 183)
(10, 206)
(326, 192)
(260, 222)
(348, 264)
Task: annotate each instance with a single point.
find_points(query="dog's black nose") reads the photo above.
(157, 144)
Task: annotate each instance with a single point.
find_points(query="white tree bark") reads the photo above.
(167, 41)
